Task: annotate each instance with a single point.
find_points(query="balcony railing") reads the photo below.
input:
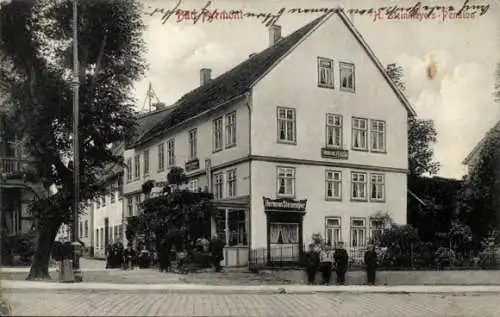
(11, 165)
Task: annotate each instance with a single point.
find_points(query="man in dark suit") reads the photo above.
(341, 260)
(216, 252)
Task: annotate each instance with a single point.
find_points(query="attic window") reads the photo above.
(325, 72)
(347, 77)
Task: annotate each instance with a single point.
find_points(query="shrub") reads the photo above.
(18, 250)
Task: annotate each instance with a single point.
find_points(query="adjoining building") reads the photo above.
(309, 135)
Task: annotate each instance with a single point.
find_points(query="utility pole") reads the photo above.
(76, 147)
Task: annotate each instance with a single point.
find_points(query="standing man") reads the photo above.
(341, 260)
(216, 252)
(326, 263)
(371, 264)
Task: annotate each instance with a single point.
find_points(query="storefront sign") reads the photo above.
(192, 165)
(285, 204)
(336, 154)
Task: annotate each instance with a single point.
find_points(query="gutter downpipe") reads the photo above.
(248, 97)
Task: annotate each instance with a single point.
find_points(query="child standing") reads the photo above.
(326, 263)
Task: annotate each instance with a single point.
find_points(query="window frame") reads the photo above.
(218, 191)
(333, 181)
(293, 178)
(130, 170)
(193, 144)
(193, 185)
(376, 132)
(145, 164)
(330, 72)
(365, 175)
(286, 120)
(343, 66)
(137, 166)
(230, 129)
(359, 130)
(382, 175)
(217, 134)
(171, 152)
(231, 183)
(373, 228)
(352, 229)
(130, 206)
(161, 157)
(331, 128)
(335, 227)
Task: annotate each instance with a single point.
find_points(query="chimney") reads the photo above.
(274, 34)
(251, 55)
(205, 76)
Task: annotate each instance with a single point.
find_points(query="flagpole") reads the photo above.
(76, 143)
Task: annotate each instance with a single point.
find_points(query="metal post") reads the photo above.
(76, 143)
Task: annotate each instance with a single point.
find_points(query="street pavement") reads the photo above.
(59, 303)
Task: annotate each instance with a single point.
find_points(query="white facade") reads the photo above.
(282, 133)
(372, 99)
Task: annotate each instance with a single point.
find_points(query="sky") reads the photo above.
(463, 54)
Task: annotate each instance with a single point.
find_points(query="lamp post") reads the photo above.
(76, 147)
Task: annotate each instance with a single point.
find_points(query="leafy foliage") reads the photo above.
(422, 134)
(35, 78)
(479, 196)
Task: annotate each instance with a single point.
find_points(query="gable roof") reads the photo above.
(234, 83)
(479, 146)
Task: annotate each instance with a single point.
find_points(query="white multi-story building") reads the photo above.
(309, 135)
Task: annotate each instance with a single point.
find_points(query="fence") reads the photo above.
(413, 257)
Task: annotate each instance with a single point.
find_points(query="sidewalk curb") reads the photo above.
(27, 286)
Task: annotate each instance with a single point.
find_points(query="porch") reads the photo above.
(230, 223)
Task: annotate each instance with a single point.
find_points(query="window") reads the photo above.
(325, 72)
(376, 228)
(146, 162)
(231, 183)
(193, 185)
(358, 233)
(86, 232)
(171, 152)
(347, 77)
(103, 202)
(161, 157)
(218, 185)
(217, 137)
(236, 223)
(129, 170)
(80, 229)
(193, 143)
(137, 166)
(377, 135)
(333, 185)
(130, 207)
(286, 125)
(284, 233)
(102, 238)
(98, 203)
(137, 204)
(333, 130)
(358, 186)
(97, 238)
(359, 134)
(286, 181)
(333, 230)
(231, 129)
(377, 187)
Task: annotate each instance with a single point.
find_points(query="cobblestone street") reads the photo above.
(127, 304)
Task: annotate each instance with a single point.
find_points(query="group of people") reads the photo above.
(206, 253)
(325, 258)
(127, 258)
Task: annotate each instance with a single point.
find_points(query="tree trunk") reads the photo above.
(47, 231)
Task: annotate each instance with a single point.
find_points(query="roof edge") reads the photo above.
(140, 142)
(377, 62)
